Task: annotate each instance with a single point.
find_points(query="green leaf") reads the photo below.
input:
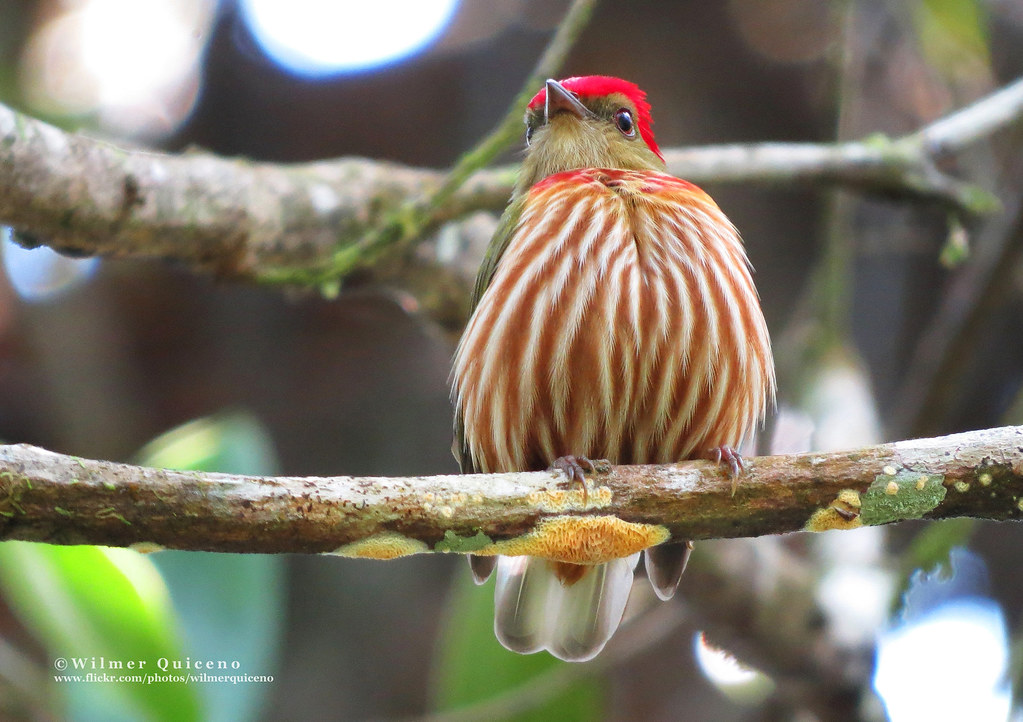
(232, 610)
(953, 35)
(462, 544)
(956, 249)
(232, 442)
(94, 607)
(472, 667)
(114, 604)
(231, 605)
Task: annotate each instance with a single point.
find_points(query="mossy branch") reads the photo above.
(308, 224)
(421, 214)
(48, 497)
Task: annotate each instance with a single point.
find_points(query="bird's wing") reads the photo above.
(498, 244)
(460, 449)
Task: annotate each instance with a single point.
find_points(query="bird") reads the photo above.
(614, 316)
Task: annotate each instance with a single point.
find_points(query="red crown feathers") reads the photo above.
(591, 86)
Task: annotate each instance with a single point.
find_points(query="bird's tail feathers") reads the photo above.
(571, 619)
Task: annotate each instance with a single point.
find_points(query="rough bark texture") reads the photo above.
(59, 499)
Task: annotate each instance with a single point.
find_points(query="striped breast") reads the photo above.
(621, 323)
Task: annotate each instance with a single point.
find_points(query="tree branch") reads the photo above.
(904, 166)
(292, 223)
(958, 130)
(49, 497)
(420, 215)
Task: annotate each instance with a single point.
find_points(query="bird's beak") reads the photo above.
(559, 99)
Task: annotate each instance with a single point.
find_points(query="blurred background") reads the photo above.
(890, 319)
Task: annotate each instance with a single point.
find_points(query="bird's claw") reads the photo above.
(727, 456)
(575, 468)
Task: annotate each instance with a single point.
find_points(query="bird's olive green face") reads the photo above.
(606, 137)
(615, 109)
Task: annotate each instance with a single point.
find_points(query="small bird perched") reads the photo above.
(614, 317)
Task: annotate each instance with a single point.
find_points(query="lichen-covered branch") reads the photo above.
(421, 214)
(66, 500)
(309, 223)
(903, 166)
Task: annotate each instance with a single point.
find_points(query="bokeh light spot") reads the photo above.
(325, 37)
(134, 65)
(734, 679)
(962, 646)
(40, 274)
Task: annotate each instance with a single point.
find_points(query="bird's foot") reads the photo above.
(575, 468)
(727, 456)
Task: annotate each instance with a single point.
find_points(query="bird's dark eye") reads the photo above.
(623, 119)
(529, 134)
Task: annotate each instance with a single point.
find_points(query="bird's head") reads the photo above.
(594, 121)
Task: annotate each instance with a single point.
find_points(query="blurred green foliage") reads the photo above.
(92, 606)
(472, 667)
(953, 36)
(95, 603)
(231, 605)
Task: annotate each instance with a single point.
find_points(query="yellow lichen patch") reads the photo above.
(984, 479)
(892, 488)
(842, 513)
(388, 545)
(581, 539)
(575, 499)
(850, 498)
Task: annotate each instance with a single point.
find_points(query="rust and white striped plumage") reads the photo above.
(621, 322)
(614, 317)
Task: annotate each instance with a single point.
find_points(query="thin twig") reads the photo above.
(420, 215)
(510, 128)
(967, 126)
